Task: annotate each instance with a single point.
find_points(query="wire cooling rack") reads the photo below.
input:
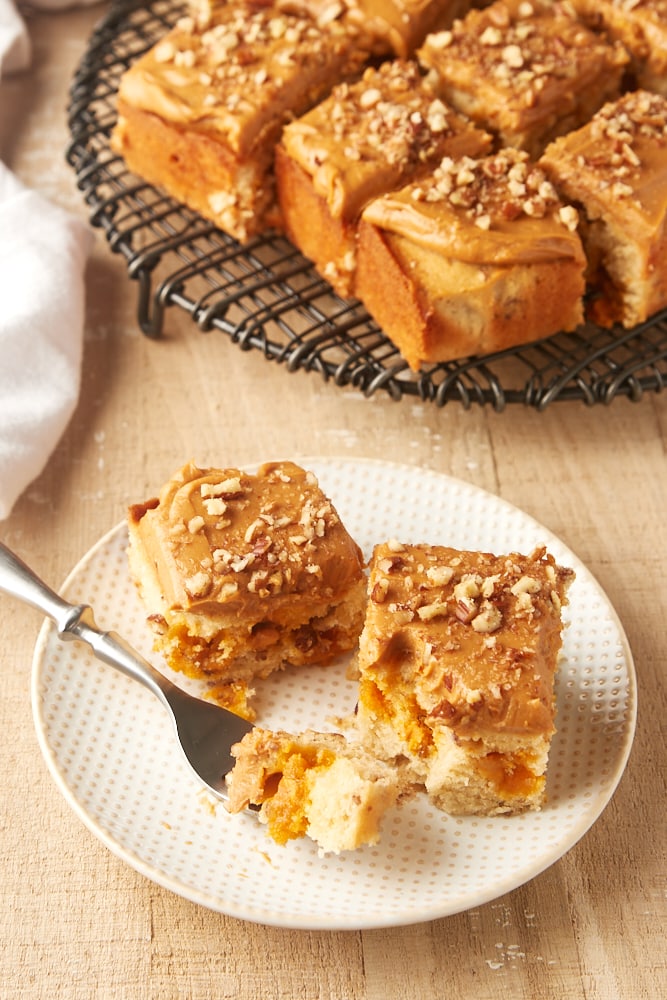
(266, 296)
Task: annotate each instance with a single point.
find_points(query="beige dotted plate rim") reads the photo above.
(284, 913)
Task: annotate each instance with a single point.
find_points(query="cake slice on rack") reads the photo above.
(525, 70)
(641, 26)
(615, 169)
(365, 139)
(199, 114)
(398, 26)
(478, 256)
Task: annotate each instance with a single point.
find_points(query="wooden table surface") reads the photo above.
(78, 923)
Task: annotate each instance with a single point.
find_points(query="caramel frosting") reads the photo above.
(534, 56)
(226, 543)
(640, 24)
(497, 210)
(471, 637)
(370, 136)
(405, 23)
(619, 161)
(236, 70)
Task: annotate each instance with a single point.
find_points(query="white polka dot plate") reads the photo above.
(109, 745)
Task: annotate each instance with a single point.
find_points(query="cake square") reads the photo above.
(457, 662)
(242, 574)
(315, 785)
(199, 114)
(641, 26)
(615, 169)
(478, 256)
(526, 70)
(365, 139)
(398, 26)
(405, 23)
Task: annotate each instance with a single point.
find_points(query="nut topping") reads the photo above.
(495, 189)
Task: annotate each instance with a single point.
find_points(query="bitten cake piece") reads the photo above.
(313, 785)
(365, 139)
(243, 574)
(457, 662)
(615, 169)
(641, 25)
(200, 113)
(479, 256)
(526, 70)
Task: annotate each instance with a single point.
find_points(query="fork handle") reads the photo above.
(18, 580)
(76, 621)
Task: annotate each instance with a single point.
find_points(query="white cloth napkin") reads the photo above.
(43, 252)
(15, 49)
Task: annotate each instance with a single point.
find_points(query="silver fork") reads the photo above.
(206, 732)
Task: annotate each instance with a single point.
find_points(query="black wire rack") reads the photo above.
(266, 296)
